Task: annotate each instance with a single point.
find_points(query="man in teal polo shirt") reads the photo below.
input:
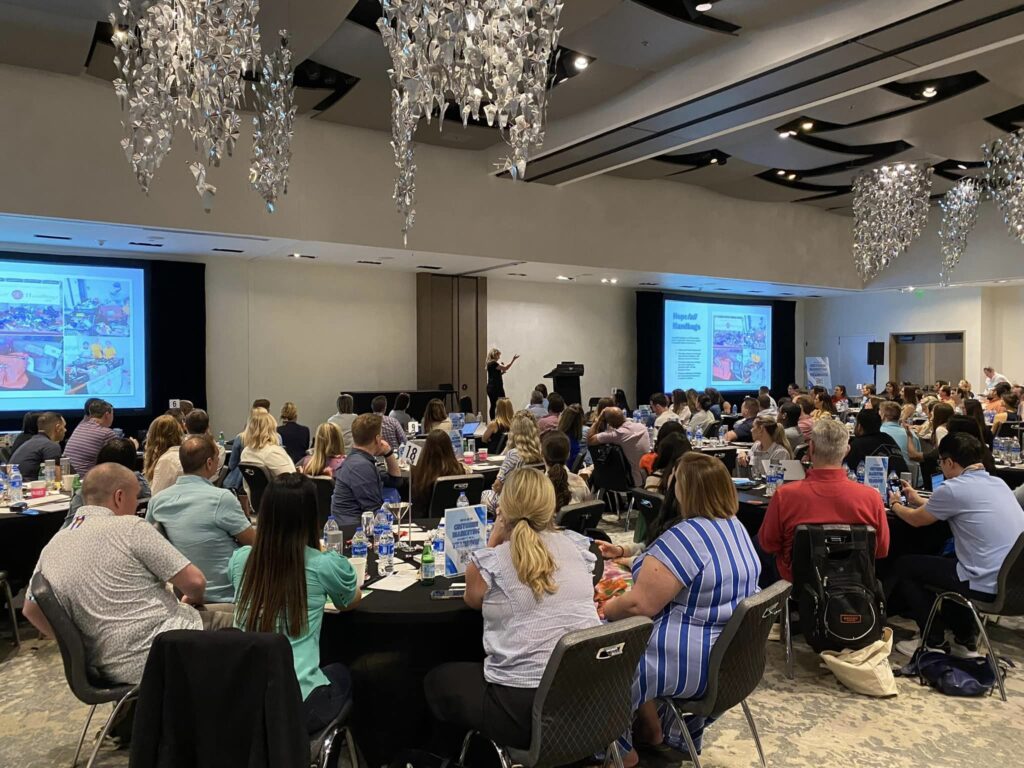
(204, 523)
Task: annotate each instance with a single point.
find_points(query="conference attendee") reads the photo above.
(435, 417)
(681, 406)
(109, 570)
(282, 583)
(262, 445)
(826, 495)
(689, 580)
(400, 412)
(619, 396)
(29, 427)
(197, 422)
(41, 447)
(868, 390)
(533, 583)
(523, 448)
(806, 421)
(992, 378)
(940, 415)
(536, 407)
(771, 446)
(358, 484)
(647, 460)
(663, 414)
(910, 396)
(204, 523)
(840, 399)
(437, 459)
(717, 402)
(344, 417)
(116, 451)
(1005, 412)
(499, 425)
(891, 391)
(548, 422)
(793, 391)
(176, 414)
(789, 418)
(985, 520)
(187, 406)
(765, 407)
(569, 487)
(973, 409)
(946, 394)
(160, 462)
(390, 429)
(824, 408)
(294, 436)
(328, 452)
(234, 476)
(742, 430)
(571, 425)
(89, 436)
(771, 400)
(669, 450)
(873, 402)
(612, 428)
(495, 377)
(891, 426)
(703, 416)
(868, 439)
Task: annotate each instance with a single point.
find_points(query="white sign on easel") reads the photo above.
(465, 531)
(876, 472)
(818, 372)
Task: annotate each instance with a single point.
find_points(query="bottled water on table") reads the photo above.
(437, 543)
(359, 544)
(329, 528)
(851, 475)
(386, 553)
(50, 475)
(380, 525)
(3, 488)
(1014, 453)
(722, 431)
(860, 473)
(366, 521)
(17, 494)
(462, 502)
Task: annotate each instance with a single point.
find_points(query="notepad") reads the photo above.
(396, 582)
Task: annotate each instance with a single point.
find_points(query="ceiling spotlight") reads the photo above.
(296, 255)
(783, 134)
(703, 7)
(604, 279)
(791, 177)
(581, 63)
(614, 280)
(563, 277)
(714, 161)
(780, 173)
(1001, 281)
(808, 125)
(930, 92)
(961, 166)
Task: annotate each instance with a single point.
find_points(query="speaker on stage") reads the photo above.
(876, 353)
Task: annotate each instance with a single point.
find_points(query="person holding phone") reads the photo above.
(495, 371)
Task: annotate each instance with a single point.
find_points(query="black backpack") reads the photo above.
(841, 602)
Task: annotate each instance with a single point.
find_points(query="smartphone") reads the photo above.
(896, 487)
(447, 594)
(22, 507)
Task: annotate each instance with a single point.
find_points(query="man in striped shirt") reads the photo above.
(90, 435)
(390, 427)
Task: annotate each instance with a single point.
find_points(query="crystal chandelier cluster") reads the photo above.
(1004, 160)
(890, 208)
(488, 57)
(181, 63)
(959, 217)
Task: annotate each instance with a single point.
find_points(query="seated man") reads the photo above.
(742, 430)
(890, 412)
(109, 571)
(390, 428)
(868, 438)
(556, 404)
(89, 436)
(358, 485)
(662, 413)
(204, 523)
(45, 444)
(611, 427)
(789, 417)
(771, 400)
(826, 495)
(537, 407)
(765, 407)
(197, 422)
(985, 519)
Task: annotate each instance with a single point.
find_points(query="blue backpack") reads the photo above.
(951, 675)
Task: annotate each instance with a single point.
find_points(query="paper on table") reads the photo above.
(53, 506)
(396, 582)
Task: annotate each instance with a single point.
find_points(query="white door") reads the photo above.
(852, 368)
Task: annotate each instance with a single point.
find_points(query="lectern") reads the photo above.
(566, 378)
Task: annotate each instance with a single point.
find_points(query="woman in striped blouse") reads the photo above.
(689, 580)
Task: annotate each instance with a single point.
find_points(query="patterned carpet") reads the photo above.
(808, 722)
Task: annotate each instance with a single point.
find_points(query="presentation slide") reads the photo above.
(726, 346)
(69, 332)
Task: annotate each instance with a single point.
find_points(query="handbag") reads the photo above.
(865, 670)
(951, 675)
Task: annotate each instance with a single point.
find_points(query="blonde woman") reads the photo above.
(500, 423)
(160, 464)
(523, 447)
(260, 439)
(533, 583)
(495, 371)
(328, 452)
(770, 444)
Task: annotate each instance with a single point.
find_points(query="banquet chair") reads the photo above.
(447, 489)
(498, 444)
(580, 517)
(1009, 601)
(584, 700)
(711, 430)
(647, 505)
(581, 457)
(612, 477)
(324, 491)
(736, 664)
(72, 651)
(9, 600)
(255, 478)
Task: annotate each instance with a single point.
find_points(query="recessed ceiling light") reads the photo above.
(1001, 281)
(648, 283)
(307, 256)
(791, 177)
(961, 166)
(780, 173)
(427, 266)
(783, 134)
(704, 7)
(369, 261)
(604, 279)
(714, 161)
(581, 63)
(614, 280)
(808, 125)
(228, 250)
(296, 255)
(563, 277)
(930, 92)
(146, 245)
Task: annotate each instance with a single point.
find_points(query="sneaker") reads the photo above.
(909, 647)
(964, 650)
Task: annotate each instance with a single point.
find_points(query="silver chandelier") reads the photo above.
(959, 217)
(273, 125)
(1004, 159)
(890, 208)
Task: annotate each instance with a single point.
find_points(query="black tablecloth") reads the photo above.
(1013, 476)
(22, 538)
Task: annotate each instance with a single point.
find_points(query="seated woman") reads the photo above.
(1006, 412)
(294, 436)
(499, 425)
(160, 464)
(704, 414)
(839, 398)
(29, 427)
(435, 417)
(648, 459)
(570, 423)
(282, 584)
(437, 459)
(681, 405)
(670, 450)
(824, 408)
(689, 580)
(262, 446)
(533, 583)
(570, 488)
(523, 447)
(328, 452)
(771, 445)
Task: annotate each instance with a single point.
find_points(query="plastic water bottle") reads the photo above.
(769, 482)
(1014, 453)
(220, 438)
(462, 502)
(479, 417)
(722, 431)
(689, 435)
(329, 528)
(438, 546)
(3, 488)
(386, 553)
(17, 494)
(366, 523)
(380, 526)
(50, 475)
(860, 473)
(359, 545)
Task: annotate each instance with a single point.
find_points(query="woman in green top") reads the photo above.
(282, 584)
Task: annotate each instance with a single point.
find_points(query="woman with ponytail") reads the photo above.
(533, 583)
(569, 487)
(770, 444)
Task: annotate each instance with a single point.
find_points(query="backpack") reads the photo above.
(897, 463)
(841, 602)
(951, 675)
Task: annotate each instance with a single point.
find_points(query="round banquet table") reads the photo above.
(22, 538)
(1012, 476)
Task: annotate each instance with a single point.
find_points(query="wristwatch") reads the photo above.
(389, 454)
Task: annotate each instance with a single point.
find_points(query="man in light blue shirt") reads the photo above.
(204, 523)
(891, 426)
(537, 406)
(985, 520)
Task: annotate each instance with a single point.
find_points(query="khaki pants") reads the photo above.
(217, 615)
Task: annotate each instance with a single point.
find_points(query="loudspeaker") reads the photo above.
(876, 353)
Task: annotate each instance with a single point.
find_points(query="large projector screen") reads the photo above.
(69, 332)
(726, 346)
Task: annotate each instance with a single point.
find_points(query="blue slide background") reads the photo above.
(69, 332)
(726, 346)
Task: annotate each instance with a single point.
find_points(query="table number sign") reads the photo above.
(410, 452)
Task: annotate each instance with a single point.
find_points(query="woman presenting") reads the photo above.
(495, 370)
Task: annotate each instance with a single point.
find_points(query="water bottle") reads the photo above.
(50, 475)
(438, 545)
(359, 545)
(860, 473)
(479, 417)
(698, 438)
(722, 431)
(329, 528)
(1014, 453)
(3, 488)
(380, 526)
(17, 494)
(220, 438)
(769, 482)
(386, 553)
(689, 435)
(366, 523)
(851, 475)
(989, 416)
(462, 502)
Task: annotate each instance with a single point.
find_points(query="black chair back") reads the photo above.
(86, 688)
(324, 491)
(581, 457)
(711, 430)
(498, 443)
(580, 517)
(611, 469)
(647, 504)
(1010, 584)
(256, 479)
(447, 489)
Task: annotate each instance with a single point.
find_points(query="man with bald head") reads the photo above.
(612, 426)
(109, 570)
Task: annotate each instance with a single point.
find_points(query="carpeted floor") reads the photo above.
(808, 722)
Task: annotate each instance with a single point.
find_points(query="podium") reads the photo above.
(566, 381)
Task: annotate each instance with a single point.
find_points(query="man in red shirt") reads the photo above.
(827, 495)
